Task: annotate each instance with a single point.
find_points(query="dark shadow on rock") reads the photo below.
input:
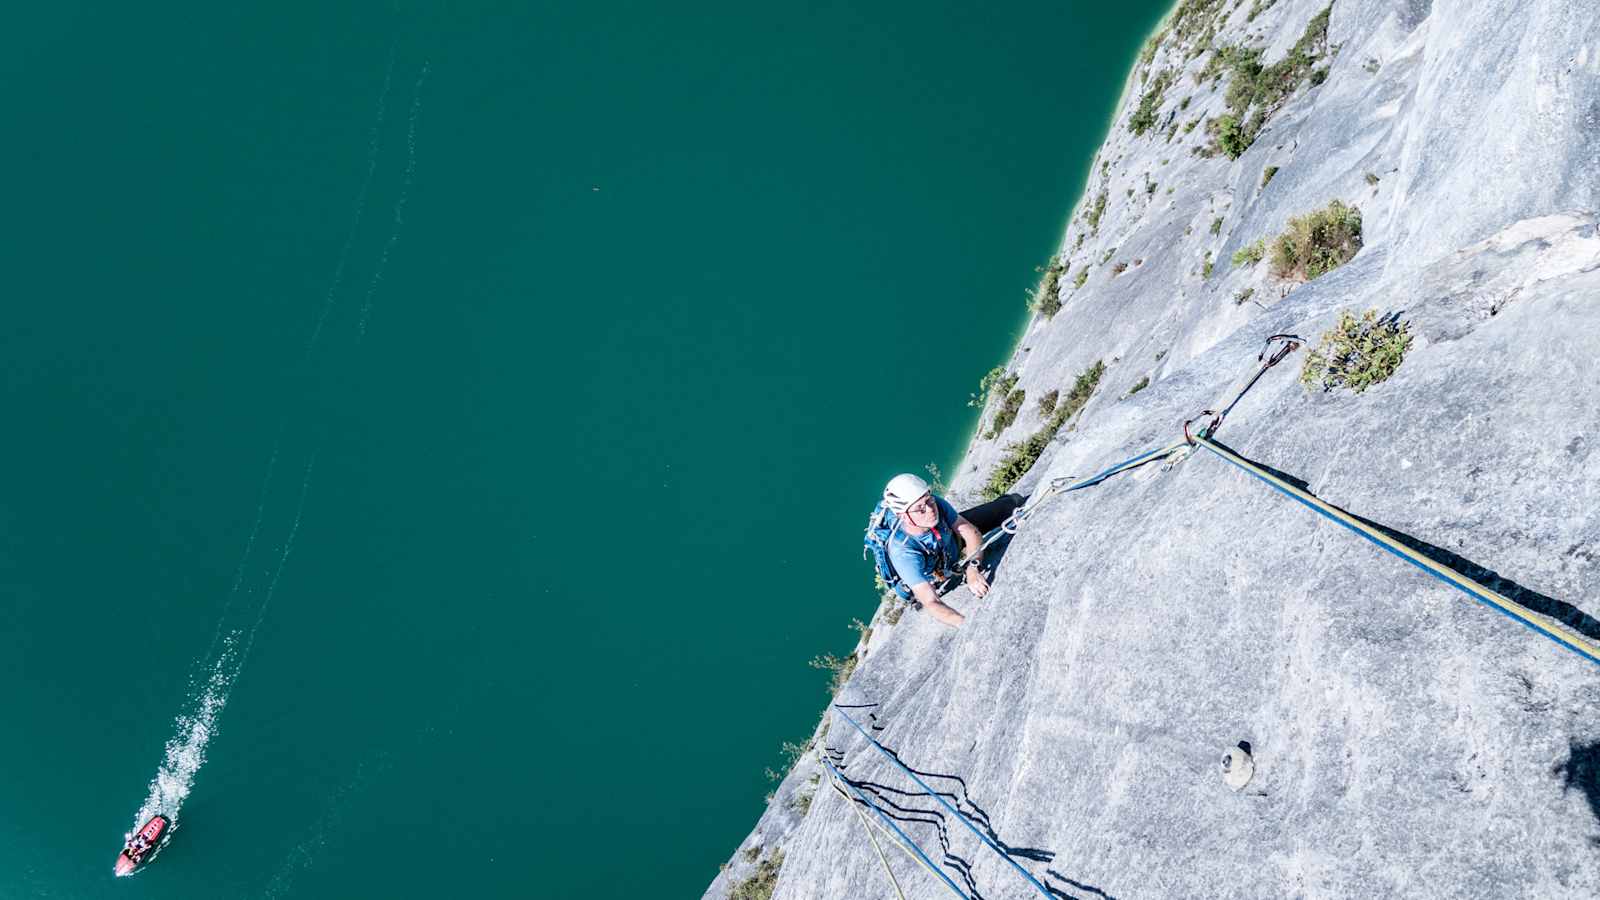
(1087, 889)
(1582, 771)
(896, 804)
(1483, 576)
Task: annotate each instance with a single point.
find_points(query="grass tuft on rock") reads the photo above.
(1357, 353)
(841, 667)
(1097, 210)
(1021, 456)
(760, 885)
(1317, 243)
(1250, 254)
(1008, 412)
(1145, 116)
(1047, 297)
(1256, 91)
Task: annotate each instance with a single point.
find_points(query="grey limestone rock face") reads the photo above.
(1408, 741)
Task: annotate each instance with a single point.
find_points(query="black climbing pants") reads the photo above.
(988, 516)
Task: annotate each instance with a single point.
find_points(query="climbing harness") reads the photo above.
(960, 817)
(905, 839)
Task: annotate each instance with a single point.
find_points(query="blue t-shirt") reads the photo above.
(927, 557)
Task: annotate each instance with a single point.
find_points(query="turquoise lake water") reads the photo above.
(451, 427)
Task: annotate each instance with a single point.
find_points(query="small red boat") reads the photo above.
(143, 844)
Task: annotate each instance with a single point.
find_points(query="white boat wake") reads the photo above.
(193, 730)
(215, 672)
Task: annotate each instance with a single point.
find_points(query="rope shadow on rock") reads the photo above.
(1075, 885)
(917, 815)
(966, 807)
(1481, 575)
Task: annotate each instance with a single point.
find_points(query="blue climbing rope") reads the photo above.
(1044, 891)
(904, 838)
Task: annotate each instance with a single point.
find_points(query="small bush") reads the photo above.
(800, 801)
(1021, 456)
(1096, 211)
(1008, 412)
(1047, 403)
(1257, 8)
(896, 609)
(1047, 297)
(1193, 15)
(842, 669)
(1119, 268)
(1082, 276)
(1250, 254)
(761, 884)
(1107, 257)
(752, 853)
(1317, 243)
(985, 386)
(1242, 296)
(1139, 385)
(1227, 135)
(1216, 225)
(791, 755)
(1267, 175)
(1205, 269)
(1147, 55)
(1357, 353)
(1150, 103)
(1372, 179)
(1256, 92)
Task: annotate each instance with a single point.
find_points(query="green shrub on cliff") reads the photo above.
(1250, 254)
(1150, 103)
(1255, 91)
(761, 884)
(1021, 456)
(1357, 353)
(1047, 297)
(1317, 243)
(1008, 412)
(1096, 211)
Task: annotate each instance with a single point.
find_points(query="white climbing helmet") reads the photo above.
(903, 490)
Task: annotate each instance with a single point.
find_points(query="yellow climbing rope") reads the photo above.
(867, 827)
(1550, 628)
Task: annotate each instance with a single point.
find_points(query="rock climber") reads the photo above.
(919, 539)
